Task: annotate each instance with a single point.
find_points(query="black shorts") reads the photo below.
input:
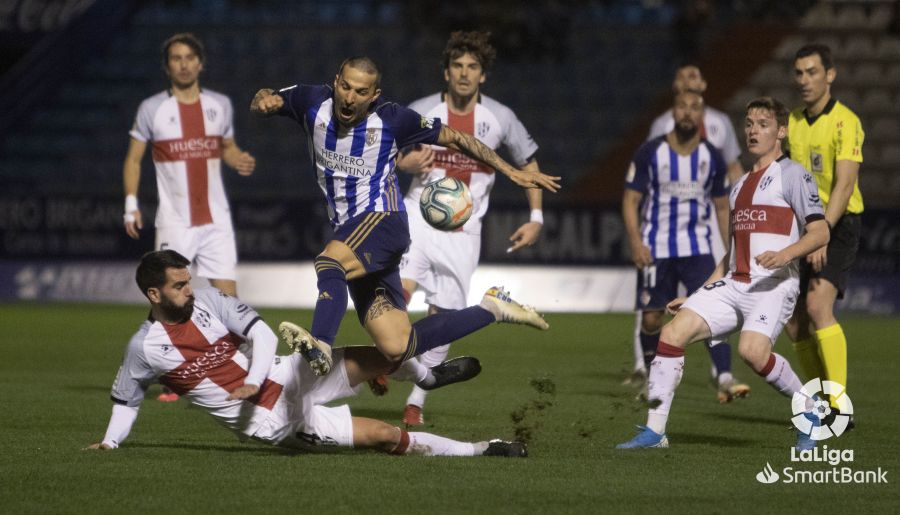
(840, 255)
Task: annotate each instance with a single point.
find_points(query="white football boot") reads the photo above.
(506, 310)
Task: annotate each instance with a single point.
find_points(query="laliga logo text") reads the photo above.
(811, 409)
(813, 416)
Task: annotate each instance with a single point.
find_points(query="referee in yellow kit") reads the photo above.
(825, 137)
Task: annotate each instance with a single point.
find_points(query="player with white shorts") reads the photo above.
(220, 355)
(191, 132)
(776, 219)
(442, 263)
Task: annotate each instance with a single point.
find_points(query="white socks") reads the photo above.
(665, 374)
(781, 376)
(428, 444)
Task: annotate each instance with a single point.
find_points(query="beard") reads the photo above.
(684, 131)
(175, 313)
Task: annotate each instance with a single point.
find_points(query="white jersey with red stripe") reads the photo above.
(204, 358)
(493, 124)
(769, 208)
(187, 153)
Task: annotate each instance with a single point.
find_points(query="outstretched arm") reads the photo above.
(470, 146)
(120, 423)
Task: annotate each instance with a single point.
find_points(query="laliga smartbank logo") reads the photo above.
(814, 417)
(813, 413)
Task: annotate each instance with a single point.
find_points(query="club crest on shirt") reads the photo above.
(201, 317)
(481, 129)
(371, 136)
(704, 165)
(763, 184)
(211, 114)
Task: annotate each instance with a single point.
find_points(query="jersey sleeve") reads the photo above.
(719, 175)
(638, 176)
(142, 129)
(801, 193)
(299, 98)
(408, 126)
(848, 139)
(228, 130)
(518, 142)
(135, 375)
(238, 317)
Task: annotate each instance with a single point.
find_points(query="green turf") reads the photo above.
(58, 362)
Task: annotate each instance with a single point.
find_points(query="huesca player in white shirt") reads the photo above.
(442, 263)
(191, 132)
(219, 354)
(777, 217)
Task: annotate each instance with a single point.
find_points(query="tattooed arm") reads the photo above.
(470, 146)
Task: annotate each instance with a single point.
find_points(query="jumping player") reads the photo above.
(354, 138)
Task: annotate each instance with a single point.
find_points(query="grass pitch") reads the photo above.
(560, 390)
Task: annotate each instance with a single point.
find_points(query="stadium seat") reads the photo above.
(821, 16)
(877, 101)
(858, 47)
(866, 73)
(879, 17)
(771, 74)
(883, 129)
(850, 16)
(788, 47)
(890, 156)
(888, 48)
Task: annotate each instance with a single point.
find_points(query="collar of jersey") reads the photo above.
(828, 107)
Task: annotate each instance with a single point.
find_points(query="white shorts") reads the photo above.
(210, 246)
(299, 420)
(763, 307)
(442, 264)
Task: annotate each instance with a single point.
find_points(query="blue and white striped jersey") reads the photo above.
(355, 167)
(678, 192)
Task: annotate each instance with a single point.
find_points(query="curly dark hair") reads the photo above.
(473, 42)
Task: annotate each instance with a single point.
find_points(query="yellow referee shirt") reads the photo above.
(818, 143)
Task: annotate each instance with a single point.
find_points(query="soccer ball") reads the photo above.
(446, 203)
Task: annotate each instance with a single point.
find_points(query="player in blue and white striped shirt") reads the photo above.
(674, 184)
(354, 137)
